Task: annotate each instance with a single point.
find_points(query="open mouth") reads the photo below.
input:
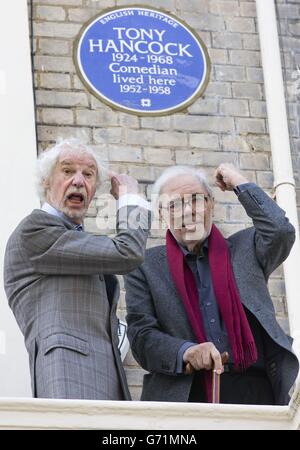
(192, 226)
(76, 199)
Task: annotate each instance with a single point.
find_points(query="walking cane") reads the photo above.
(216, 378)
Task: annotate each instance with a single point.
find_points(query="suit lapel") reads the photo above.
(171, 298)
(163, 262)
(112, 289)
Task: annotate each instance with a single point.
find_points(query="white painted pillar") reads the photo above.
(281, 154)
(17, 163)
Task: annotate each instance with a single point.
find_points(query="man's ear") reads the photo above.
(212, 207)
(46, 185)
(162, 219)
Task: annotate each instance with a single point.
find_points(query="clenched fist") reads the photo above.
(227, 177)
(122, 184)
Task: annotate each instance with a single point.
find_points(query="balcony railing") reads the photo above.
(25, 413)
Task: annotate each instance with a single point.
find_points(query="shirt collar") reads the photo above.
(51, 210)
(200, 253)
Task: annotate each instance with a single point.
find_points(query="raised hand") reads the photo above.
(227, 177)
(122, 184)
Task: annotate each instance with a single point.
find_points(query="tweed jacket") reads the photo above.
(157, 321)
(61, 287)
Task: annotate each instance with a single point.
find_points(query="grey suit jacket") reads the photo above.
(157, 322)
(60, 285)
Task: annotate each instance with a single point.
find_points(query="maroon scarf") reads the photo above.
(240, 337)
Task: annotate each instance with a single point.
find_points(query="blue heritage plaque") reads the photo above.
(142, 60)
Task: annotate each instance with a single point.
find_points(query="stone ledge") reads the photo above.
(27, 413)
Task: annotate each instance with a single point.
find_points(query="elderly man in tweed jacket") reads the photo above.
(201, 295)
(60, 280)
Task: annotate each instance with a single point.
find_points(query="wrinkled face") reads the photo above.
(72, 184)
(187, 209)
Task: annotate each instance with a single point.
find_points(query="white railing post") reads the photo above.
(18, 156)
(284, 183)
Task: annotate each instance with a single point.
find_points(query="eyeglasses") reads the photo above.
(194, 201)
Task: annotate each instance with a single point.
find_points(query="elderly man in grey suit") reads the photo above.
(60, 280)
(201, 296)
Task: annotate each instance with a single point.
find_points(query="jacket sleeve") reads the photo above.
(274, 234)
(153, 349)
(55, 250)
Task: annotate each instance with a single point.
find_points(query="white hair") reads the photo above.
(176, 171)
(48, 159)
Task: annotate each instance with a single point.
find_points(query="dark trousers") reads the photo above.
(252, 387)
